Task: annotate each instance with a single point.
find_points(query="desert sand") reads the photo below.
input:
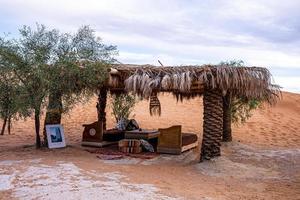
(262, 162)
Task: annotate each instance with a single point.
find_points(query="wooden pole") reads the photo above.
(213, 124)
(101, 105)
(227, 132)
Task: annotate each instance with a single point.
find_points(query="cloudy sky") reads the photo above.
(260, 32)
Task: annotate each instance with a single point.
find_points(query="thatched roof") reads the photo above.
(189, 81)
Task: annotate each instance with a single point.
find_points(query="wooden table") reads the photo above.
(142, 134)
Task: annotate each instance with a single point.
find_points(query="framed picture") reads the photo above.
(55, 136)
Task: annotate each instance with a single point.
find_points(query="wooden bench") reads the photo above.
(93, 136)
(173, 141)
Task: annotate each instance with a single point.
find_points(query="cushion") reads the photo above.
(147, 146)
(189, 138)
(113, 135)
(122, 124)
(132, 125)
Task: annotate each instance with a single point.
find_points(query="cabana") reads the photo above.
(184, 82)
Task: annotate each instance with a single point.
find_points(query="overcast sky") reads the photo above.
(260, 32)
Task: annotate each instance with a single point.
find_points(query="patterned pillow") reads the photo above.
(147, 146)
(122, 124)
(132, 125)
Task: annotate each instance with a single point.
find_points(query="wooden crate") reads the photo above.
(130, 146)
(131, 149)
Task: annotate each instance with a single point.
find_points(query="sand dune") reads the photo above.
(263, 161)
(276, 126)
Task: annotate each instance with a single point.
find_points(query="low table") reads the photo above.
(142, 134)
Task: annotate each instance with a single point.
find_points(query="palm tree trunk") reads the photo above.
(3, 126)
(212, 125)
(101, 105)
(54, 112)
(227, 133)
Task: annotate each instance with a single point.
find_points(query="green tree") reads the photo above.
(26, 59)
(236, 110)
(65, 68)
(79, 68)
(11, 102)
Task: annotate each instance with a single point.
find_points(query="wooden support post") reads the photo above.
(101, 105)
(212, 125)
(227, 133)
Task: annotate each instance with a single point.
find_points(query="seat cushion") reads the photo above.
(113, 135)
(189, 138)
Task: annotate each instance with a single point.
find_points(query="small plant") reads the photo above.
(241, 109)
(122, 106)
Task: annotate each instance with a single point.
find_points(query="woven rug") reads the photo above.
(113, 153)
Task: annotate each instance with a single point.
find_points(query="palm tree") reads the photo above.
(213, 124)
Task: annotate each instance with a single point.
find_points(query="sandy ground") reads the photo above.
(263, 161)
